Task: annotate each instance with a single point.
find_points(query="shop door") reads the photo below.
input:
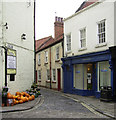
(89, 76)
(59, 79)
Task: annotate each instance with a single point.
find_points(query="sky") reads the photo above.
(46, 10)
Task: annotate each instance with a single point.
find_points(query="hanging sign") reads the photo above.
(11, 61)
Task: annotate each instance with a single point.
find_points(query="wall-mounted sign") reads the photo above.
(77, 71)
(104, 70)
(11, 61)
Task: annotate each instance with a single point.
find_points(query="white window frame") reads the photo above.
(68, 43)
(54, 75)
(46, 56)
(82, 38)
(57, 53)
(101, 32)
(48, 75)
(39, 59)
(39, 75)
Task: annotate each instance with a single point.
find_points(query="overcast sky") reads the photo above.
(46, 10)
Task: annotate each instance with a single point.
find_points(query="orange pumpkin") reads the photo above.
(14, 101)
(26, 94)
(30, 98)
(9, 96)
(20, 101)
(33, 97)
(27, 99)
(14, 97)
(17, 101)
(18, 98)
(18, 93)
(23, 98)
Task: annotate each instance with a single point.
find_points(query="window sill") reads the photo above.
(39, 64)
(57, 60)
(68, 52)
(48, 81)
(101, 45)
(82, 49)
(53, 81)
(45, 63)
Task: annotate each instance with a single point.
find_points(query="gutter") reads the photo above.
(34, 45)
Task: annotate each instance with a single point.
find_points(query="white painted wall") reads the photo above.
(20, 19)
(88, 18)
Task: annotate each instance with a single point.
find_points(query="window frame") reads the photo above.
(68, 44)
(39, 75)
(46, 56)
(82, 39)
(54, 75)
(48, 75)
(57, 53)
(101, 31)
(39, 59)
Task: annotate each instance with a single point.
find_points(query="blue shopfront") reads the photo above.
(85, 74)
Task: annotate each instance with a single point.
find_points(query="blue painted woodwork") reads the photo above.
(93, 58)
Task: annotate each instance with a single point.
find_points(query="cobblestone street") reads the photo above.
(55, 105)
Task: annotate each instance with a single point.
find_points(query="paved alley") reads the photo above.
(55, 105)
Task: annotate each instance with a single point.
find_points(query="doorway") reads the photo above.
(59, 79)
(89, 76)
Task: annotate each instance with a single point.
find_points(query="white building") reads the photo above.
(88, 34)
(17, 35)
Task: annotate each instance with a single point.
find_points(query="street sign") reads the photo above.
(11, 61)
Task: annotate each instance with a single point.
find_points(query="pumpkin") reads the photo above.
(14, 97)
(14, 101)
(27, 99)
(18, 98)
(23, 99)
(20, 101)
(9, 96)
(26, 94)
(30, 98)
(33, 97)
(17, 101)
(18, 93)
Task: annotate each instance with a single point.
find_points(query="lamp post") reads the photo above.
(5, 64)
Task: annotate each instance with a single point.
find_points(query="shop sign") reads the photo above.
(104, 70)
(11, 61)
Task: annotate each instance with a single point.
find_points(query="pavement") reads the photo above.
(105, 108)
(21, 107)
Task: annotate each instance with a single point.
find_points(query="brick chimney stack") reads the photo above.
(58, 27)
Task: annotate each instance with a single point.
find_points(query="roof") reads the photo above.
(47, 42)
(86, 4)
(39, 43)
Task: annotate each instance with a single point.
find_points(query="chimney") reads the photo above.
(58, 27)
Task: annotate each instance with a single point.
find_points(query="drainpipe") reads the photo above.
(50, 70)
(34, 45)
(5, 64)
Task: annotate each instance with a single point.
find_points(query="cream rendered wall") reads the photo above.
(43, 67)
(88, 18)
(56, 64)
(20, 19)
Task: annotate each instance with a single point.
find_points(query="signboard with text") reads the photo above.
(11, 61)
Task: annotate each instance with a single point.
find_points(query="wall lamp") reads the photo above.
(23, 36)
(6, 25)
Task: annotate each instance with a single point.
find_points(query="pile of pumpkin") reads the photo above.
(20, 97)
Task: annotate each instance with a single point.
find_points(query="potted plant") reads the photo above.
(4, 95)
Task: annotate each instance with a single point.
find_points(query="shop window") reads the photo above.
(12, 77)
(78, 76)
(104, 74)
